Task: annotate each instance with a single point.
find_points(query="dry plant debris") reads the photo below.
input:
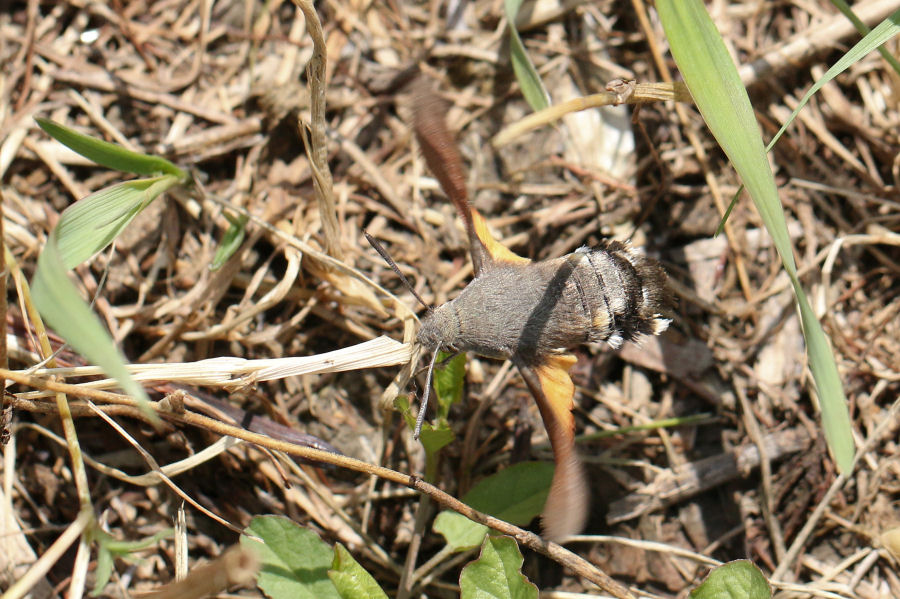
(219, 88)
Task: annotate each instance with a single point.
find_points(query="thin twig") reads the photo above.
(559, 554)
(317, 148)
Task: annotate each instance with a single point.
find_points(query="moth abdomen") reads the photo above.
(626, 291)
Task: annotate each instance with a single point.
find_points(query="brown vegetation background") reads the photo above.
(218, 88)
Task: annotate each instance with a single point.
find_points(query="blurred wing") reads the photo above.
(566, 510)
(443, 159)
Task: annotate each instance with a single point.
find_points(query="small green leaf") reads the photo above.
(739, 579)
(516, 494)
(435, 437)
(295, 561)
(448, 382)
(110, 155)
(350, 579)
(532, 87)
(109, 548)
(103, 571)
(232, 240)
(459, 532)
(496, 573)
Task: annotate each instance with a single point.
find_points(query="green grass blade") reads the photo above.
(85, 228)
(110, 155)
(863, 30)
(92, 223)
(62, 307)
(232, 240)
(713, 80)
(876, 38)
(532, 87)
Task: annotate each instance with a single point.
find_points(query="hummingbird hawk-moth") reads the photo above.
(532, 313)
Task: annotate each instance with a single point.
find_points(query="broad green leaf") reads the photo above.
(496, 573)
(350, 579)
(295, 561)
(516, 494)
(713, 81)
(532, 87)
(110, 155)
(459, 532)
(739, 579)
(232, 240)
(448, 382)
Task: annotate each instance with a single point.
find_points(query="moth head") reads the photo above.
(439, 330)
(433, 337)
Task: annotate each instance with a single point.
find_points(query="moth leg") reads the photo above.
(447, 358)
(423, 406)
(566, 510)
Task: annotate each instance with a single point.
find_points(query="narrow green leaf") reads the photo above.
(92, 223)
(109, 548)
(460, 533)
(532, 87)
(103, 571)
(295, 561)
(496, 574)
(739, 579)
(874, 39)
(714, 83)
(123, 548)
(110, 155)
(85, 228)
(62, 307)
(350, 579)
(863, 30)
(232, 240)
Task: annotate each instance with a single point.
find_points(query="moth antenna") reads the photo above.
(420, 417)
(390, 262)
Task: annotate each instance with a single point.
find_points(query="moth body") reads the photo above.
(610, 293)
(533, 312)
